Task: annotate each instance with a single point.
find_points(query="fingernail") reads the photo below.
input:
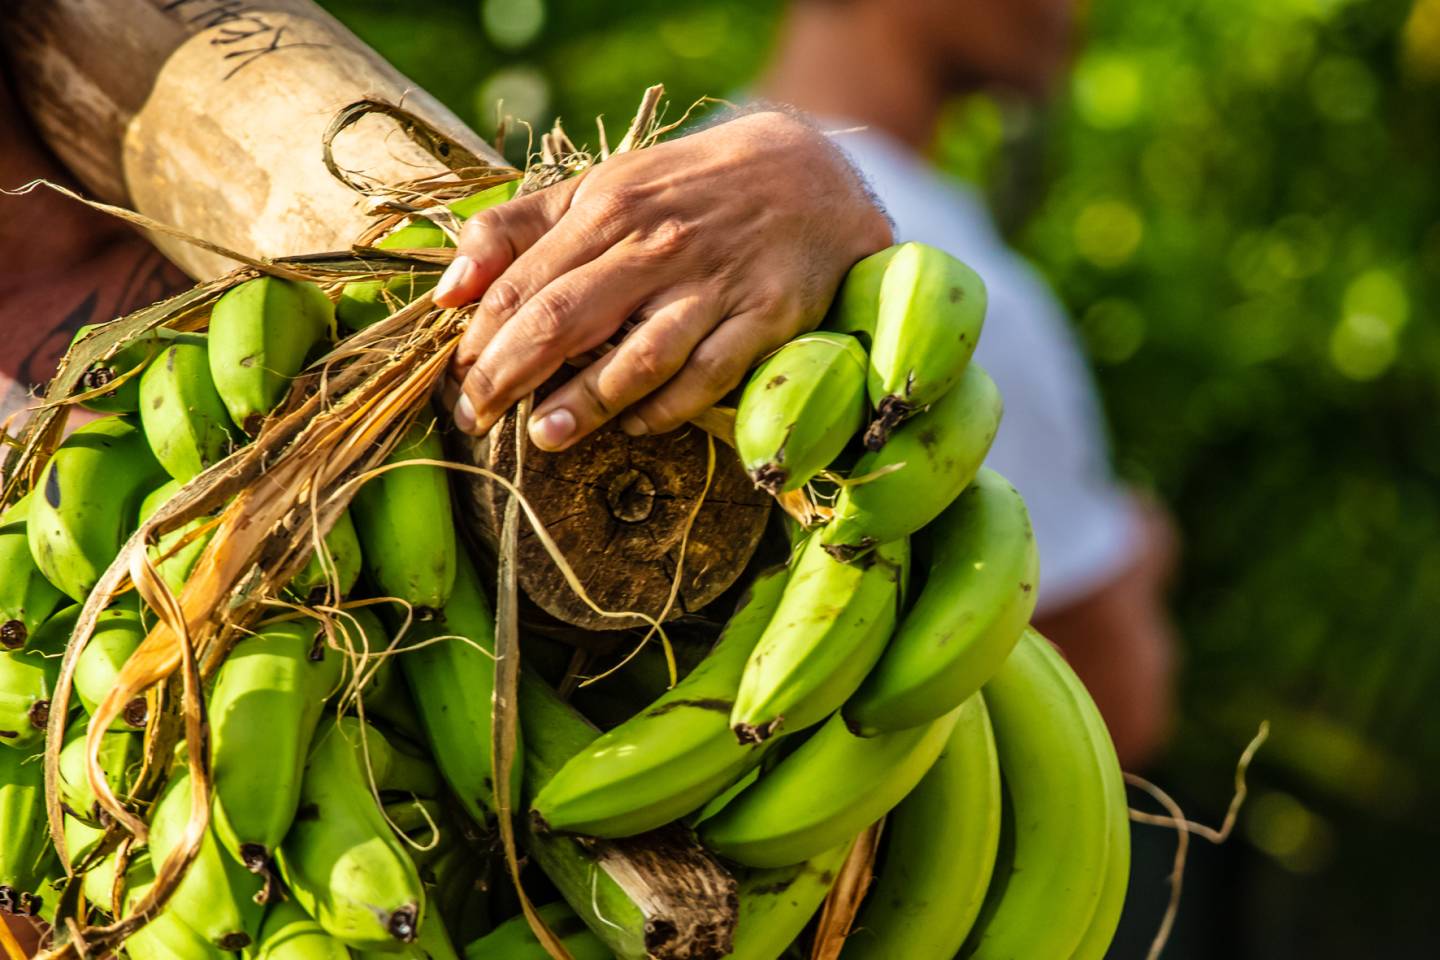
(633, 425)
(552, 430)
(458, 274)
(465, 414)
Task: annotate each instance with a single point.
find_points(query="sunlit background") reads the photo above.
(1239, 202)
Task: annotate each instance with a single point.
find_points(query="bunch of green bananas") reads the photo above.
(349, 734)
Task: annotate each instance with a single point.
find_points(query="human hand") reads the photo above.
(721, 246)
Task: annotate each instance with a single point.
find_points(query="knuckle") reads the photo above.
(480, 230)
(546, 317)
(671, 236)
(502, 299)
(716, 372)
(613, 203)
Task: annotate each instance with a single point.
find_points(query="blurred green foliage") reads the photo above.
(1239, 201)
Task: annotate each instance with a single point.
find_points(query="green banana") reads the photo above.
(635, 894)
(128, 362)
(406, 527)
(26, 597)
(857, 303)
(267, 701)
(450, 670)
(928, 309)
(777, 904)
(832, 624)
(921, 470)
(216, 897)
(799, 409)
(363, 302)
(27, 681)
(119, 631)
(119, 757)
(674, 756)
(832, 787)
(166, 937)
(289, 933)
(184, 418)
(386, 697)
(1067, 798)
(513, 939)
(1095, 944)
(942, 841)
(24, 833)
(313, 583)
(260, 334)
(340, 859)
(173, 559)
(432, 942)
(977, 600)
(87, 501)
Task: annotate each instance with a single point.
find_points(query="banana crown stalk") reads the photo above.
(977, 600)
(184, 418)
(799, 409)
(26, 597)
(87, 500)
(832, 623)
(674, 756)
(919, 472)
(831, 788)
(261, 332)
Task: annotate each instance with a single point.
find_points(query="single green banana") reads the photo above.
(87, 501)
(184, 418)
(928, 310)
(674, 756)
(119, 631)
(129, 363)
(857, 303)
(832, 787)
(216, 897)
(921, 470)
(289, 933)
(799, 409)
(314, 584)
(27, 681)
(26, 597)
(450, 670)
(977, 600)
(1062, 790)
(635, 894)
(363, 302)
(942, 841)
(267, 701)
(777, 904)
(166, 937)
(340, 859)
(832, 624)
(24, 833)
(386, 697)
(173, 556)
(260, 334)
(513, 939)
(1095, 944)
(406, 527)
(120, 757)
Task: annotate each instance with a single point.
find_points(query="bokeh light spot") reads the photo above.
(523, 91)
(1343, 89)
(1108, 90)
(1108, 232)
(1113, 329)
(1378, 293)
(1362, 346)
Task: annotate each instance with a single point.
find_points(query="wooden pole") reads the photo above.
(208, 114)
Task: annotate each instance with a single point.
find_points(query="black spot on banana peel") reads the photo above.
(404, 924)
(235, 942)
(716, 704)
(52, 487)
(758, 733)
(13, 634)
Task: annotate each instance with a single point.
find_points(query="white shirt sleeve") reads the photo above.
(1052, 443)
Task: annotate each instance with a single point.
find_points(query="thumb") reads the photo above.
(492, 239)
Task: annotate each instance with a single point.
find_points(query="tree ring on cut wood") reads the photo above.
(617, 507)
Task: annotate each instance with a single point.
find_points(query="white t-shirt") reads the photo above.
(1052, 443)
